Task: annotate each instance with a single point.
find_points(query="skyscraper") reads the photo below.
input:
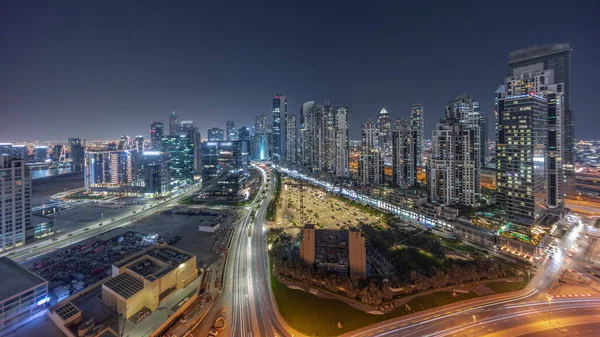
(307, 115)
(454, 167)
(230, 131)
(156, 134)
(417, 128)
(244, 133)
(173, 119)
(384, 138)
(15, 197)
(57, 152)
(483, 137)
(291, 138)
(534, 79)
(279, 133)
(216, 134)
(370, 165)
(453, 164)
(555, 57)
(403, 167)
(260, 124)
(109, 171)
(188, 128)
(342, 139)
(124, 143)
(77, 153)
(520, 151)
(155, 174)
(181, 157)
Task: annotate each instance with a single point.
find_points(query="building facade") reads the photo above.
(342, 142)
(156, 177)
(216, 135)
(279, 132)
(404, 172)
(291, 139)
(556, 57)
(339, 251)
(110, 171)
(156, 134)
(520, 156)
(173, 123)
(370, 165)
(417, 127)
(230, 131)
(180, 149)
(15, 199)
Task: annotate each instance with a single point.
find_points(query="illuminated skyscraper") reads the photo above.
(307, 116)
(156, 133)
(244, 133)
(173, 119)
(384, 137)
(556, 57)
(110, 171)
(370, 165)
(76, 154)
(291, 139)
(279, 133)
(403, 166)
(180, 149)
(155, 174)
(5, 149)
(139, 144)
(15, 197)
(534, 79)
(342, 139)
(417, 128)
(40, 153)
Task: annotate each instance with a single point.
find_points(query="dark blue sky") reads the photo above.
(109, 68)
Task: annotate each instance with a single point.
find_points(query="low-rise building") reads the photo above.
(144, 294)
(23, 295)
(339, 251)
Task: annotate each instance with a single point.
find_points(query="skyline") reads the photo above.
(122, 76)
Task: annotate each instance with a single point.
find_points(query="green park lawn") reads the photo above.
(315, 316)
(504, 287)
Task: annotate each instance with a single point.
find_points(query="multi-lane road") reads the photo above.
(254, 312)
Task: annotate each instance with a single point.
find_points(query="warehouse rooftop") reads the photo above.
(20, 279)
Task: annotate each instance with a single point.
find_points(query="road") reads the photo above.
(254, 312)
(39, 248)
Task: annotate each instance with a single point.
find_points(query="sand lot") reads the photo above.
(320, 209)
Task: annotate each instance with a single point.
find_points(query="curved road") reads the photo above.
(254, 312)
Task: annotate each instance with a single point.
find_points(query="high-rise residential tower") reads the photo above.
(342, 142)
(370, 165)
(384, 138)
(403, 167)
(454, 166)
(76, 154)
(556, 57)
(534, 79)
(520, 156)
(279, 133)
(156, 133)
(291, 139)
(417, 128)
(307, 115)
(173, 119)
(15, 196)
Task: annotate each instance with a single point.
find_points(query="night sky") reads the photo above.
(101, 70)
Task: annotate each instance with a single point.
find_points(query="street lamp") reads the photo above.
(549, 308)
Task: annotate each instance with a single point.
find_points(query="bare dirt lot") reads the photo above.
(320, 209)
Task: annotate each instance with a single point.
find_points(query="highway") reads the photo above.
(254, 312)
